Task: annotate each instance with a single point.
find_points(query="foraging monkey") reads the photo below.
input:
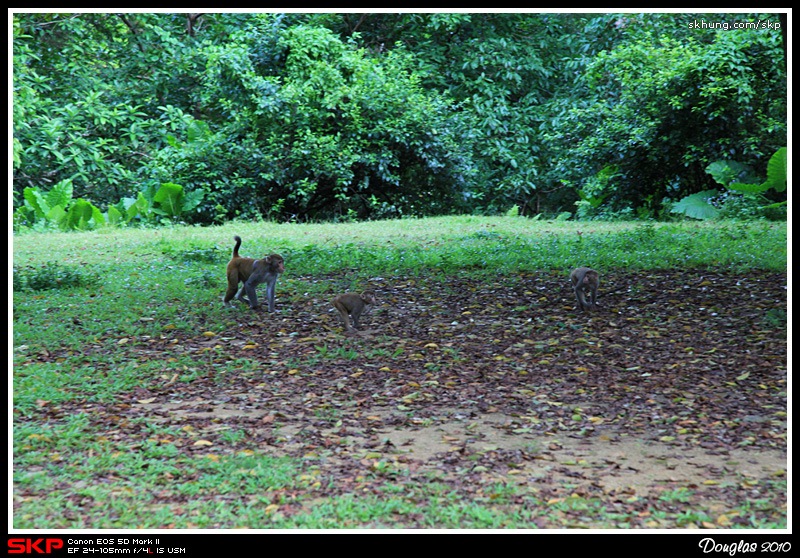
(353, 304)
(251, 273)
(585, 280)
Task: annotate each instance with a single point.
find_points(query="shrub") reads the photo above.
(51, 275)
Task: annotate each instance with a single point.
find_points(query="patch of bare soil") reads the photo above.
(612, 461)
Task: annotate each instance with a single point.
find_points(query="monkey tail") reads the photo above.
(238, 240)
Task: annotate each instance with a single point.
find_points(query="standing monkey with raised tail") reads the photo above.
(251, 273)
(585, 280)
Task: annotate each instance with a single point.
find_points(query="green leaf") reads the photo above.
(192, 200)
(61, 194)
(78, 216)
(56, 214)
(198, 130)
(776, 170)
(776, 175)
(97, 217)
(170, 198)
(697, 206)
(114, 215)
(36, 202)
(721, 172)
(752, 188)
(138, 206)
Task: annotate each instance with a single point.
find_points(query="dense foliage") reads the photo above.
(208, 117)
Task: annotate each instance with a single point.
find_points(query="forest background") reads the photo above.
(203, 118)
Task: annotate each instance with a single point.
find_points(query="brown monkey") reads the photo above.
(353, 304)
(585, 280)
(251, 273)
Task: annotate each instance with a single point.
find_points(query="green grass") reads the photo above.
(505, 246)
(496, 243)
(81, 300)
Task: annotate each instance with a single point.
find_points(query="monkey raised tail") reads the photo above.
(238, 240)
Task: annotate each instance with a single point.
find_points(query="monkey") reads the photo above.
(353, 304)
(585, 280)
(251, 273)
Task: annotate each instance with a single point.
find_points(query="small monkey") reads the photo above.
(251, 273)
(353, 304)
(585, 280)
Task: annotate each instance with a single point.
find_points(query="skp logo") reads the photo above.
(29, 546)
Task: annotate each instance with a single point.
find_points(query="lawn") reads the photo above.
(474, 396)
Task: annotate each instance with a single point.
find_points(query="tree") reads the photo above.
(369, 115)
(661, 109)
(307, 124)
(92, 96)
